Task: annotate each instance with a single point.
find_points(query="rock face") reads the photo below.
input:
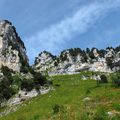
(45, 61)
(25, 95)
(12, 49)
(75, 60)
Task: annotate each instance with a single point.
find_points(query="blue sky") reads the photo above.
(55, 25)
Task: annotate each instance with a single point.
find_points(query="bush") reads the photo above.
(24, 69)
(109, 62)
(6, 90)
(84, 116)
(31, 70)
(27, 69)
(39, 79)
(16, 80)
(37, 117)
(116, 106)
(103, 79)
(116, 79)
(116, 117)
(100, 114)
(7, 72)
(27, 84)
(6, 81)
(10, 84)
(88, 91)
(58, 108)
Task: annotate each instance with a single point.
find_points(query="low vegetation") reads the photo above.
(73, 99)
(11, 82)
(103, 79)
(116, 79)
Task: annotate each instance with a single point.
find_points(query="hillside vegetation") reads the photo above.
(72, 99)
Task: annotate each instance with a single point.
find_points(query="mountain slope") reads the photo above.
(72, 99)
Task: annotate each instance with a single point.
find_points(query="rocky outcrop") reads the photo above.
(45, 62)
(12, 49)
(75, 60)
(25, 95)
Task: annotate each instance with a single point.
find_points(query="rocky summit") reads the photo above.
(12, 49)
(71, 61)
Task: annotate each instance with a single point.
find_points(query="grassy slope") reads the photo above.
(69, 93)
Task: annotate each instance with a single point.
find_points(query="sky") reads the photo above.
(55, 25)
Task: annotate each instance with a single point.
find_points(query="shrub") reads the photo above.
(58, 108)
(100, 114)
(37, 87)
(31, 70)
(7, 72)
(10, 84)
(116, 79)
(37, 117)
(39, 79)
(24, 69)
(88, 91)
(6, 90)
(16, 80)
(57, 85)
(55, 64)
(116, 117)
(109, 61)
(84, 116)
(6, 81)
(49, 83)
(27, 84)
(116, 106)
(103, 79)
(21, 118)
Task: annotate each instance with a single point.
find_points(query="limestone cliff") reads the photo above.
(12, 49)
(74, 60)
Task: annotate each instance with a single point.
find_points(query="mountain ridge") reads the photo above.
(75, 59)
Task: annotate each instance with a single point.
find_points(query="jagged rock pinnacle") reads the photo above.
(12, 49)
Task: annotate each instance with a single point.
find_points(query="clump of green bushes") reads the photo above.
(27, 84)
(103, 79)
(11, 82)
(58, 108)
(100, 114)
(116, 79)
(6, 89)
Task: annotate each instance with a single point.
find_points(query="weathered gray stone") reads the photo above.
(12, 49)
(71, 64)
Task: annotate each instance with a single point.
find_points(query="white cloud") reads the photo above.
(60, 33)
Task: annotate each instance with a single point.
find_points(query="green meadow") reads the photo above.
(72, 99)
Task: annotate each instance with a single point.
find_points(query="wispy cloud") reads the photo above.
(59, 34)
